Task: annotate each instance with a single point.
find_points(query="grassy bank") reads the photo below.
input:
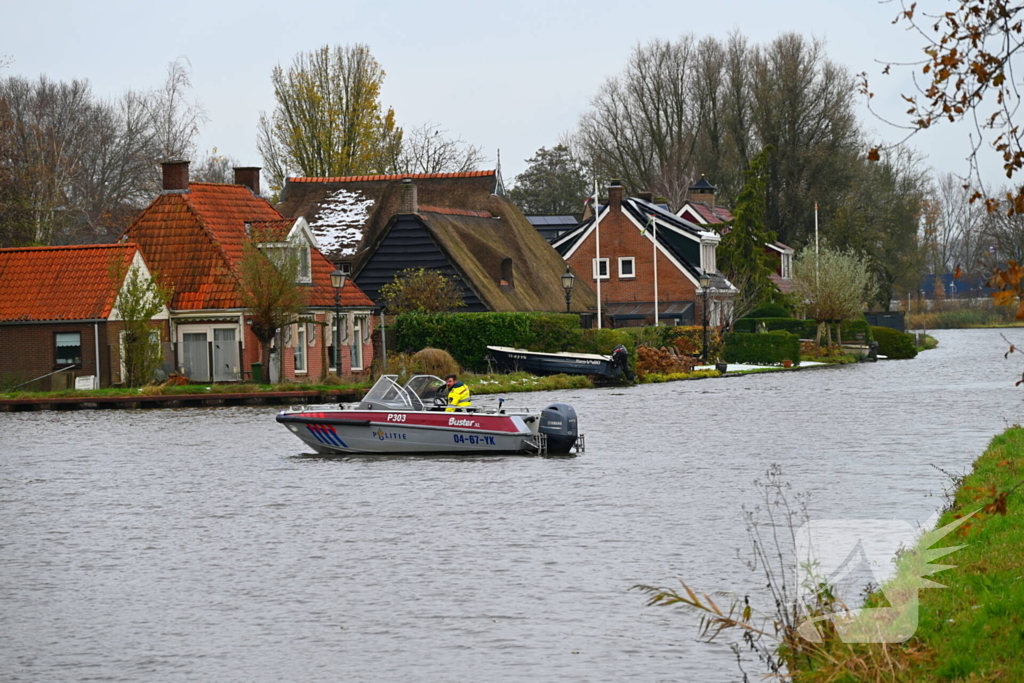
(973, 630)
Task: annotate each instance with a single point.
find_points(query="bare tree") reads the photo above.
(49, 127)
(79, 168)
(216, 168)
(428, 149)
(642, 124)
(954, 229)
(175, 119)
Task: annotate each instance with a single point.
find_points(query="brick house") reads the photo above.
(700, 208)
(192, 235)
(58, 314)
(633, 233)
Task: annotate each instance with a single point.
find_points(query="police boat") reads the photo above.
(414, 419)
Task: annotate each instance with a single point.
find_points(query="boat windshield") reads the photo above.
(426, 387)
(388, 393)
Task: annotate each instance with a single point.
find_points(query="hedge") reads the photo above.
(467, 335)
(853, 330)
(770, 310)
(768, 348)
(894, 344)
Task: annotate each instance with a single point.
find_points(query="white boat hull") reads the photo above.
(337, 430)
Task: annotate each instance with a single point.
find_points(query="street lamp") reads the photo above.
(568, 280)
(705, 285)
(337, 282)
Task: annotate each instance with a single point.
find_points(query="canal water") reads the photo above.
(205, 544)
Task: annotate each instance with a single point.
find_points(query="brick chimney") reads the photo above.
(408, 202)
(248, 176)
(703, 191)
(175, 176)
(646, 196)
(615, 194)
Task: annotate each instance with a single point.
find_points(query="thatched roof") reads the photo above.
(478, 246)
(348, 213)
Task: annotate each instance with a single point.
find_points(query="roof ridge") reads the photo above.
(393, 176)
(454, 212)
(104, 245)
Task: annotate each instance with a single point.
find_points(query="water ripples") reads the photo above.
(207, 545)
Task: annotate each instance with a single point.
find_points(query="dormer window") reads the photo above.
(304, 270)
(506, 273)
(708, 249)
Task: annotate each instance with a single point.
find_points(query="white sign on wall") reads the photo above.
(85, 383)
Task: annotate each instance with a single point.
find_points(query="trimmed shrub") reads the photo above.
(894, 344)
(791, 325)
(435, 362)
(770, 310)
(770, 348)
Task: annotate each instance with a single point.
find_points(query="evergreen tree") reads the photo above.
(553, 183)
(741, 254)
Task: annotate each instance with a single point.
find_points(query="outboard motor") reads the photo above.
(558, 422)
(620, 361)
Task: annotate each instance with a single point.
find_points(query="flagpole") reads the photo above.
(816, 257)
(654, 235)
(597, 249)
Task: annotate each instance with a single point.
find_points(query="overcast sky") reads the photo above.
(508, 76)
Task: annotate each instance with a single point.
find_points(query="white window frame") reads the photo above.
(631, 260)
(787, 266)
(356, 347)
(305, 269)
(597, 262)
(300, 353)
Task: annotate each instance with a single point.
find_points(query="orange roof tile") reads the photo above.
(399, 176)
(193, 241)
(60, 283)
(272, 231)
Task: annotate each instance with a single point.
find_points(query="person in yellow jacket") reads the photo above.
(458, 394)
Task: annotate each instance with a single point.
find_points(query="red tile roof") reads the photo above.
(717, 214)
(60, 283)
(399, 176)
(193, 241)
(272, 231)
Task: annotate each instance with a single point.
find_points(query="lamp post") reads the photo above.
(705, 285)
(568, 280)
(337, 282)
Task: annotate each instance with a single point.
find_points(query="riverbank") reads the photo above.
(974, 628)
(193, 395)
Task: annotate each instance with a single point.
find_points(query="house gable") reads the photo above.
(408, 244)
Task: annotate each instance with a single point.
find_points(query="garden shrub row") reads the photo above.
(853, 330)
(894, 344)
(768, 348)
(467, 335)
